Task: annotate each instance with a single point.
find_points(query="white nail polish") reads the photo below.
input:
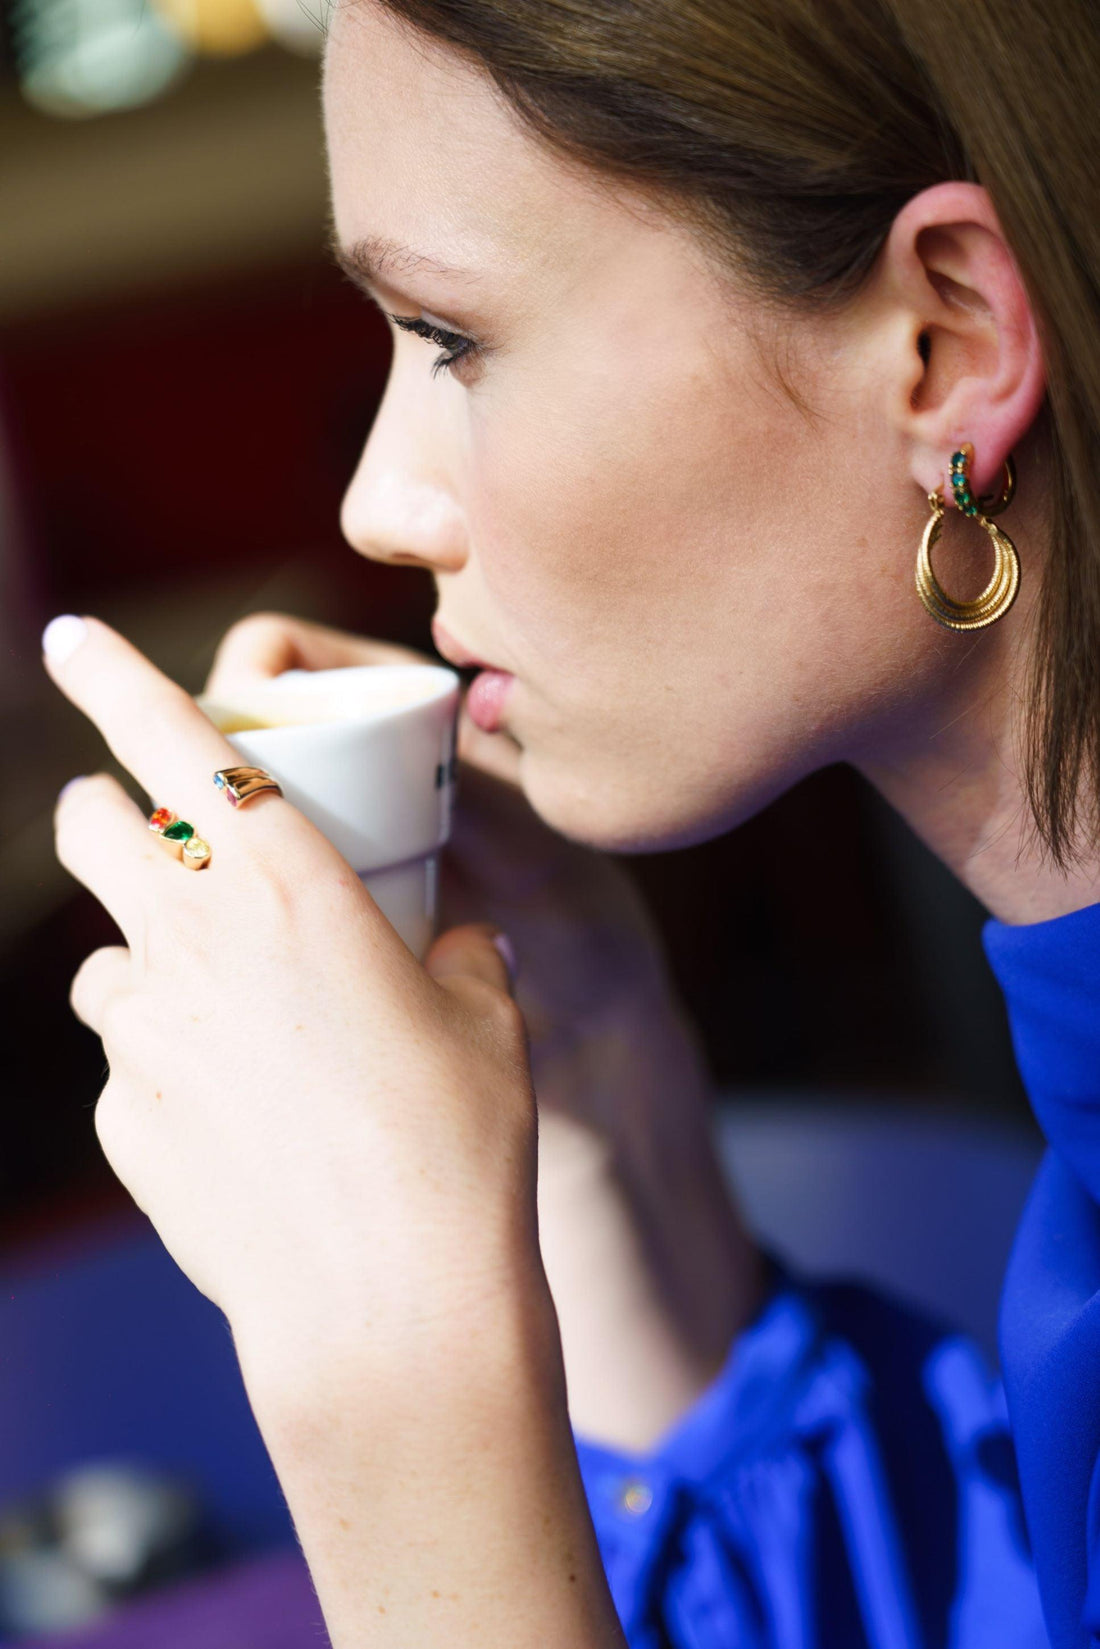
(62, 636)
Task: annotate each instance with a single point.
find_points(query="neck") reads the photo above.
(955, 769)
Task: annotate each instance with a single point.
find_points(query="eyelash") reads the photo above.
(437, 335)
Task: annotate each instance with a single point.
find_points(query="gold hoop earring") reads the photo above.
(1003, 586)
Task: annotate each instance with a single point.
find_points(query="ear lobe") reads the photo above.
(978, 374)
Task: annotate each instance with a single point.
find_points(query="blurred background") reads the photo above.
(185, 382)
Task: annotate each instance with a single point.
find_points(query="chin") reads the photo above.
(615, 814)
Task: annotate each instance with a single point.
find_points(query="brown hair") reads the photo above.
(791, 132)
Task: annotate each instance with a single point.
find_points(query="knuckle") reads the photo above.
(109, 1121)
(273, 892)
(506, 1021)
(116, 1017)
(261, 623)
(248, 632)
(125, 1027)
(79, 990)
(71, 803)
(85, 991)
(246, 644)
(509, 1014)
(71, 818)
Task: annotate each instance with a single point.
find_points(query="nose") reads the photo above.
(401, 506)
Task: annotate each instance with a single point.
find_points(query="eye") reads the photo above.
(456, 346)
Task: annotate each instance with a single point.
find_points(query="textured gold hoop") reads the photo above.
(1003, 586)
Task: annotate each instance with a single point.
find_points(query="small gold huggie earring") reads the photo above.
(1000, 592)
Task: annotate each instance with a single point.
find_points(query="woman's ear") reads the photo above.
(973, 369)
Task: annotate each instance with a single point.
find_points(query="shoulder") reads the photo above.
(853, 1454)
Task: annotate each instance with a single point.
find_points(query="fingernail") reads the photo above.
(507, 950)
(64, 791)
(62, 636)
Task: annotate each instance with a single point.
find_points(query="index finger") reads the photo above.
(152, 726)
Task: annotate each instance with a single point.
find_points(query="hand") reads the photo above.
(323, 1131)
(650, 1268)
(593, 986)
(338, 1147)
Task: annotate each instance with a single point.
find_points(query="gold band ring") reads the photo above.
(240, 784)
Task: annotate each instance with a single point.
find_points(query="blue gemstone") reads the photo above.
(219, 781)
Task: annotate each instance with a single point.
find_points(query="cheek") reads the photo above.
(686, 589)
(596, 531)
(650, 535)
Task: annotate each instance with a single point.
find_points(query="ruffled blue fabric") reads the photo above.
(846, 1482)
(1050, 1307)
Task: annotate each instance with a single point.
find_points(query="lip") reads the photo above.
(455, 653)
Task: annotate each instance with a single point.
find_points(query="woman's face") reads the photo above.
(703, 588)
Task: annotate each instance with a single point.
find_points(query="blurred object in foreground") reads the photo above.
(87, 57)
(219, 28)
(99, 1534)
(299, 24)
(76, 58)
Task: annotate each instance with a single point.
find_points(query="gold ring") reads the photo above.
(179, 838)
(240, 784)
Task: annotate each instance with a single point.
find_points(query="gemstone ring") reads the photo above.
(239, 784)
(179, 838)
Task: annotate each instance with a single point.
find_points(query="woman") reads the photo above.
(740, 308)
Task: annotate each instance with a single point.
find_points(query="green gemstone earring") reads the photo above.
(1003, 586)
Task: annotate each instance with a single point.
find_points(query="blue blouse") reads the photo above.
(846, 1482)
(1050, 1308)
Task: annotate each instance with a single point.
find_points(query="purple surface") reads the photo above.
(266, 1603)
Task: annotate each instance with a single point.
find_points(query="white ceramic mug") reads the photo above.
(368, 754)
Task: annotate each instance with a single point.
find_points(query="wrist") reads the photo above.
(435, 1491)
(316, 1374)
(633, 1079)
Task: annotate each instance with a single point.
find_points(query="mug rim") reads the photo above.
(438, 681)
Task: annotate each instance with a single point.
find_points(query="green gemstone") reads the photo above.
(958, 459)
(179, 832)
(971, 509)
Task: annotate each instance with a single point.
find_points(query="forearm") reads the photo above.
(651, 1269)
(438, 1502)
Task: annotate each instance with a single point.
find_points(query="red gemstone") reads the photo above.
(161, 819)
(234, 801)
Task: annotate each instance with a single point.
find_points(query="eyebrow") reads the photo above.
(367, 260)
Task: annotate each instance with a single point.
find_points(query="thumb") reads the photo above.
(476, 951)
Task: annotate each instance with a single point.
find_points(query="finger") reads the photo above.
(103, 839)
(265, 644)
(101, 977)
(157, 732)
(477, 951)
